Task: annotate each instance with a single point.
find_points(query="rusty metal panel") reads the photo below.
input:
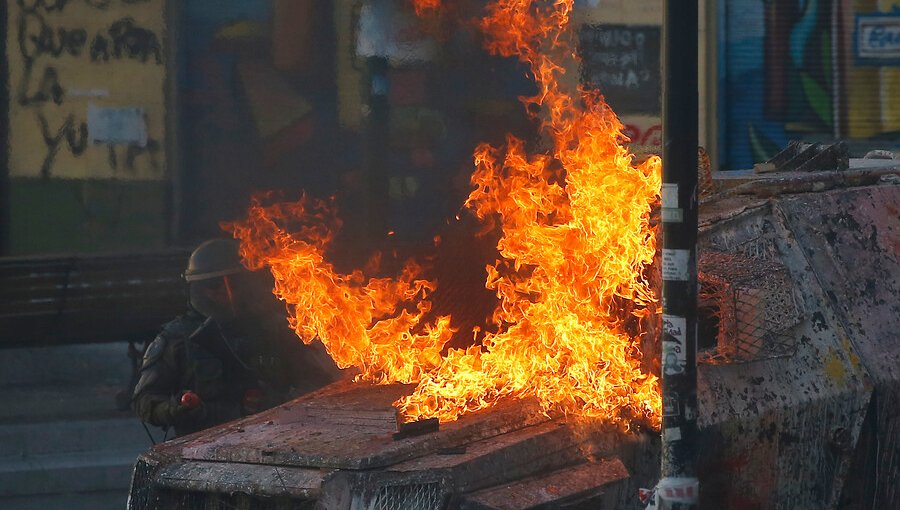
(778, 433)
(350, 426)
(550, 490)
(851, 239)
(265, 481)
(540, 448)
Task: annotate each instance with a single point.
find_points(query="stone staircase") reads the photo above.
(63, 444)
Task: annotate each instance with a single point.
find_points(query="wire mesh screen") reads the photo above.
(141, 496)
(749, 306)
(423, 496)
(145, 495)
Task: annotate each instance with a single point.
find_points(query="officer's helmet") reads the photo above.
(211, 273)
(213, 259)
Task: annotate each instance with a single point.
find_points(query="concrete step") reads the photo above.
(65, 364)
(36, 403)
(64, 473)
(25, 440)
(100, 500)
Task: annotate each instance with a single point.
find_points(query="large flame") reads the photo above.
(575, 246)
(576, 241)
(370, 323)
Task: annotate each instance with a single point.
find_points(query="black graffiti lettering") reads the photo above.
(75, 137)
(48, 88)
(151, 150)
(29, 52)
(124, 39)
(43, 5)
(134, 42)
(60, 5)
(112, 158)
(99, 4)
(100, 49)
(37, 38)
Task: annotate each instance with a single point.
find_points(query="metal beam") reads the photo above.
(679, 213)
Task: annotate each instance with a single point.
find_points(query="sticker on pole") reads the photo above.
(669, 194)
(675, 265)
(673, 493)
(672, 215)
(674, 348)
(670, 404)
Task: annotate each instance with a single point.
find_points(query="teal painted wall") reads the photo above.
(52, 216)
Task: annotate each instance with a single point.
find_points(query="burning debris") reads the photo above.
(575, 248)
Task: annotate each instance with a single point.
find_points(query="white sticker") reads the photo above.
(670, 215)
(111, 125)
(675, 265)
(689, 412)
(673, 434)
(670, 196)
(670, 405)
(674, 345)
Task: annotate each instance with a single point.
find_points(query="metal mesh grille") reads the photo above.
(145, 496)
(426, 496)
(751, 305)
(141, 496)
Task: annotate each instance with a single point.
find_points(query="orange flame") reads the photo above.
(576, 243)
(369, 323)
(424, 6)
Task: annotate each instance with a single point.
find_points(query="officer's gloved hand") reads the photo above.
(189, 407)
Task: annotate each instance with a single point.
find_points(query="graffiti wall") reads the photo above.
(619, 44)
(86, 81)
(87, 163)
(793, 70)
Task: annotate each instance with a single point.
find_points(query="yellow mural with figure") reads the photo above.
(87, 88)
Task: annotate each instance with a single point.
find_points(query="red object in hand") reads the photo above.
(190, 400)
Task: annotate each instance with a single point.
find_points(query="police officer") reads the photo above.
(230, 355)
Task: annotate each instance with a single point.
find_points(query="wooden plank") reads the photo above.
(526, 452)
(349, 429)
(260, 481)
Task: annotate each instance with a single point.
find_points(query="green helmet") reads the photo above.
(213, 259)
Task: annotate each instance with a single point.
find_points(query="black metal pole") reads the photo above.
(678, 487)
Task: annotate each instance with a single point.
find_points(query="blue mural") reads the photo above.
(779, 76)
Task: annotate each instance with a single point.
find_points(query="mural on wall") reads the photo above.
(86, 82)
(789, 73)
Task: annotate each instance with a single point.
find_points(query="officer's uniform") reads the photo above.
(233, 374)
(254, 363)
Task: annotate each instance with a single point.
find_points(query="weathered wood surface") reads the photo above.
(347, 426)
(255, 479)
(551, 489)
(539, 448)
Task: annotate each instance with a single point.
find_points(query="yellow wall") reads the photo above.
(50, 36)
(890, 84)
